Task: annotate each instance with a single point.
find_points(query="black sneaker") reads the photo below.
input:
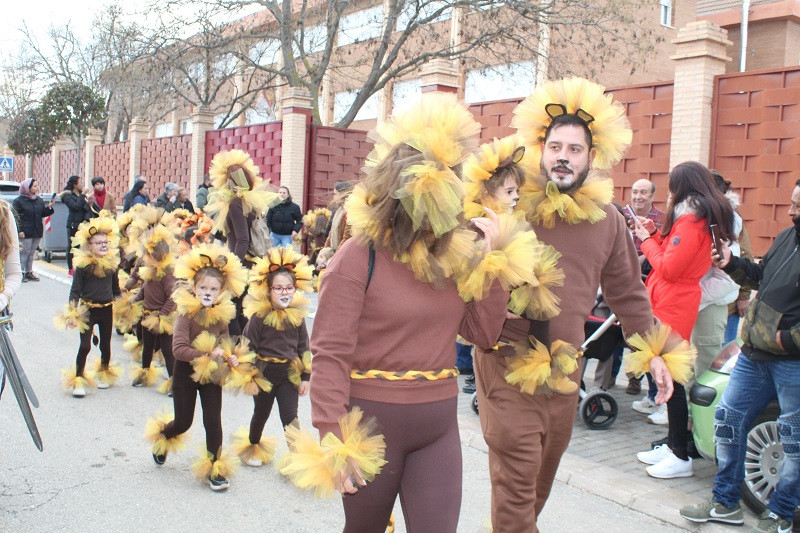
(160, 459)
(659, 442)
(469, 385)
(218, 483)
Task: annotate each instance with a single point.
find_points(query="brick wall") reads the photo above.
(112, 163)
(261, 141)
(756, 145)
(66, 166)
(19, 168)
(494, 118)
(42, 166)
(337, 154)
(164, 160)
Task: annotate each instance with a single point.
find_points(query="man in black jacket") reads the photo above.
(768, 368)
(79, 211)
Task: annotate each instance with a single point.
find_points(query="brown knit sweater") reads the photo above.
(289, 343)
(398, 323)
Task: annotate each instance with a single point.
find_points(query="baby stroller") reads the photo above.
(598, 409)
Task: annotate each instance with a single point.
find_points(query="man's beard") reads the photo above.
(572, 187)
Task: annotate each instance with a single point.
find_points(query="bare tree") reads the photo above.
(371, 44)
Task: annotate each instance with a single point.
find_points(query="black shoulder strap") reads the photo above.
(370, 265)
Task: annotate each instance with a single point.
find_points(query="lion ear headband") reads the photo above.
(555, 110)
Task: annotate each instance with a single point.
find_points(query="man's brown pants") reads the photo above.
(526, 434)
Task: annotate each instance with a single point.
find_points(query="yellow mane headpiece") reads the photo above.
(227, 185)
(211, 255)
(283, 257)
(482, 165)
(611, 132)
(311, 216)
(444, 132)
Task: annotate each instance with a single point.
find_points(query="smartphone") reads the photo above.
(631, 212)
(715, 236)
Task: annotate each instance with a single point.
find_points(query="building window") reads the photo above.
(187, 126)
(361, 26)
(314, 38)
(414, 12)
(164, 130)
(666, 13)
(500, 82)
(343, 101)
(262, 110)
(404, 93)
(266, 52)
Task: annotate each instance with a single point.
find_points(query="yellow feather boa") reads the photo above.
(678, 354)
(257, 302)
(541, 200)
(314, 465)
(223, 310)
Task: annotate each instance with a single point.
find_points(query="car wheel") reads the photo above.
(763, 462)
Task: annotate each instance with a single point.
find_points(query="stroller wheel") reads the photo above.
(598, 410)
(473, 402)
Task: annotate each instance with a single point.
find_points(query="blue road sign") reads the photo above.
(6, 164)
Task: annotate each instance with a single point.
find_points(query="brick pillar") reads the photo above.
(176, 123)
(202, 121)
(55, 165)
(439, 75)
(92, 141)
(296, 113)
(700, 54)
(138, 130)
(28, 166)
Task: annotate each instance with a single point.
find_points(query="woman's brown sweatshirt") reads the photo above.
(398, 323)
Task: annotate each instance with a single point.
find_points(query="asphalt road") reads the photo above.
(96, 472)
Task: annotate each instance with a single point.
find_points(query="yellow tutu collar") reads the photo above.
(223, 310)
(258, 303)
(541, 200)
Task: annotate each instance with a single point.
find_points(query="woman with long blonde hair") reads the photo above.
(10, 269)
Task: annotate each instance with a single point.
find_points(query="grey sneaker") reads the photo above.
(711, 511)
(769, 522)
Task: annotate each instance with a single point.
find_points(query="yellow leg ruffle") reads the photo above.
(263, 450)
(147, 376)
(165, 386)
(660, 341)
(109, 374)
(154, 433)
(205, 467)
(70, 380)
(133, 346)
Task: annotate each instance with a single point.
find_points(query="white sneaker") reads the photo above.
(659, 416)
(78, 392)
(254, 462)
(671, 467)
(654, 456)
(645, 405)
(102, 384)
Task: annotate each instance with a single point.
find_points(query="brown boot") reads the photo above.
(634, 386)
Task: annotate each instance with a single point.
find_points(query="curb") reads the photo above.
(47, 273)
(624, 489)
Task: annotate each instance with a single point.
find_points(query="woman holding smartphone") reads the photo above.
(679, 256)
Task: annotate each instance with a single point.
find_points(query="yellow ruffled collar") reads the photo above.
(100, 266)
(223, 310)
(257, 303)
(153, 270)
(541, 200)
(257, 201)
(459, 258)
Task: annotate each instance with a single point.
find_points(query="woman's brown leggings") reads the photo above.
(423, 454)
(283, 390)
(184, 396)
(152, 340)
(103, 317)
